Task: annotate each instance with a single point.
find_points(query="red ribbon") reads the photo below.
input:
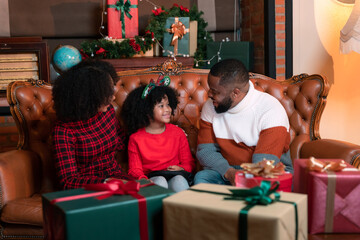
(117, 187)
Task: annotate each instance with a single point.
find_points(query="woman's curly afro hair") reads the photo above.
(80, 91)
(136, 112)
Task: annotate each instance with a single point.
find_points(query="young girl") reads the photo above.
(157, 149)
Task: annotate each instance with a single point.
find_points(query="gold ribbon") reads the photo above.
(264, 168)
(330, 202)
(324, 166)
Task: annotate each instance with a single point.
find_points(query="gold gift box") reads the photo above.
(199, 215)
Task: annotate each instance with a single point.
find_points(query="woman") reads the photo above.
(87, 134)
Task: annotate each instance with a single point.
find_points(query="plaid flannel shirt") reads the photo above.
(85, 150)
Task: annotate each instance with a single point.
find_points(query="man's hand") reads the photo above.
(230, 175)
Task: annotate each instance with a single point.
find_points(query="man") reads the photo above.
(239, 125)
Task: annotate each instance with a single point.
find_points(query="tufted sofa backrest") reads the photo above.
(303, 98)
(31, 106)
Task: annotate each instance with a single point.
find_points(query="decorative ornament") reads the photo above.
(161, 81)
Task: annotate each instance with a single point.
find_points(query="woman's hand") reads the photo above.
(174, 168)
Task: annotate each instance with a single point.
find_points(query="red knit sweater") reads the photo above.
(153, 152)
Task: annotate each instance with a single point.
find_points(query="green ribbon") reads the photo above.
(124, 9)
(259, 195)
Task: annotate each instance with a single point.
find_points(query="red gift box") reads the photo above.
(249, 181)
(123, 20)
(332, 197)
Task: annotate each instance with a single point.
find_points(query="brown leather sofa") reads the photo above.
(28, 172)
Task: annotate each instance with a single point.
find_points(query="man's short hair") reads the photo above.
(232, 73)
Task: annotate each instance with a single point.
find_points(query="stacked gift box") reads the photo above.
(186, 42)
(123, 20)
(333, 189)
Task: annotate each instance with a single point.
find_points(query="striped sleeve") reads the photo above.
(273, 142)
(206, 133)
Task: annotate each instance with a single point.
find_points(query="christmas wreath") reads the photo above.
(108, 48)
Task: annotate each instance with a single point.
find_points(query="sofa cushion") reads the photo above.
(24, 211)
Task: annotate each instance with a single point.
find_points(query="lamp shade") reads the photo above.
(350, 34)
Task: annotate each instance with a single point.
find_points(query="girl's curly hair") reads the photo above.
(137, 112)
(80, 91)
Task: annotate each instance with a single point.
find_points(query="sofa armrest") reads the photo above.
(329, 148)
(20, 175)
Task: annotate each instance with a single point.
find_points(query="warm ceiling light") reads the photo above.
(350, 34)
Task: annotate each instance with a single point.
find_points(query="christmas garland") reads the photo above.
(108, 48)
(112, 49)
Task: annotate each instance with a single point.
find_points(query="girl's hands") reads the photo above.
(174, 168)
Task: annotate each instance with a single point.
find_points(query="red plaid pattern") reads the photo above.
(85, 150)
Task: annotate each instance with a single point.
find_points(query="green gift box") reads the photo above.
(176, 27)
(114, 217)
(243, 51)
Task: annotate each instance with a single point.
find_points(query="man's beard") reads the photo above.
(224, 105)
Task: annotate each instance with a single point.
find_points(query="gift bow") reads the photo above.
(259, 195)
(105, 190)
(114, 187)
(161, 81)
(264, 168)
(319, 166)
(124, 9)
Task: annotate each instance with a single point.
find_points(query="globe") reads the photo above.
(65, 57)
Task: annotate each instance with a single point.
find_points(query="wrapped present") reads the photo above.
(176, 37)
(211, 211)
(243, 51)
(107, 211)
(254, 173)
(246, 180)
(123, 20)
(333, 188)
